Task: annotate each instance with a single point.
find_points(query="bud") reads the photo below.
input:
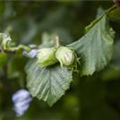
(5, 41)
(65, 56)
(46, 56)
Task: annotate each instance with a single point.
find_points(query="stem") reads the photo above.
(117, 2)
(15, 49)
(111, 8)
(113, 13)
(1, 50)
(57, 41)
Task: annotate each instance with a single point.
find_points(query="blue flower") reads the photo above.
(21, 100)
(30, 54)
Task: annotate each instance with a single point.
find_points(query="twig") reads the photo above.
(57, 41)
(117, 2)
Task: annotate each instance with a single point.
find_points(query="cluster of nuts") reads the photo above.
(49, 56)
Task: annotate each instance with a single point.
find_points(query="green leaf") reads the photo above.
(95, 47)
(116, 55)
(3, 58)
(48, 83)
(16, 67)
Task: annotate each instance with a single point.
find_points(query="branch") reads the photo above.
(117, 2)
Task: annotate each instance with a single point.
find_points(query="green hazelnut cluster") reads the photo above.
(50, 56)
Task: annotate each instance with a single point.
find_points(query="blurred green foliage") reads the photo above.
(94, 97)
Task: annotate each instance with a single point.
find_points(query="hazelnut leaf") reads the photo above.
(96, 47)
(48, 83)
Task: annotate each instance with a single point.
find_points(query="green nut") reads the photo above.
(65, 56)
(46, 56)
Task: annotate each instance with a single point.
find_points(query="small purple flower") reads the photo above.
(21, 100)
(30, 54)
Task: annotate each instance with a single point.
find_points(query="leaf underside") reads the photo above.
(49, 83)
(95, 47)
